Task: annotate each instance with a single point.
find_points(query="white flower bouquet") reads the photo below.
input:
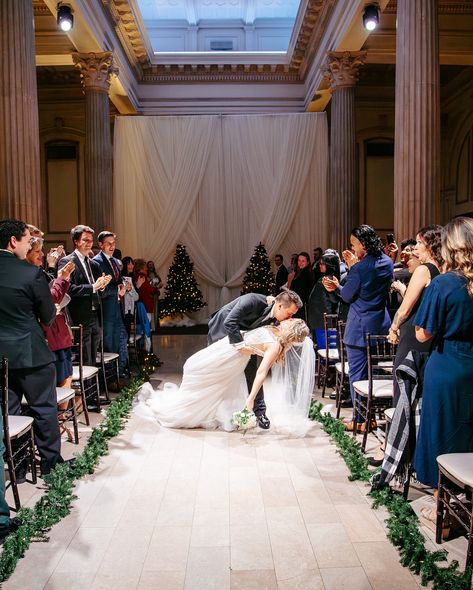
(244, 420)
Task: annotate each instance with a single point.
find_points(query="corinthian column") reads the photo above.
(417, 132)
(20, 185)
(343, 69)
(96, 70)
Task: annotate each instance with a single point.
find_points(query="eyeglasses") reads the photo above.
(87, 241)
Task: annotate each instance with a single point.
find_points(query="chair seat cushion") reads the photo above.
(381, 388)
(389, 413)
(64, 394)
(332, 353)
(19, 425)
(87, 372)
(108, 357)
(338, 367)
(460, 465)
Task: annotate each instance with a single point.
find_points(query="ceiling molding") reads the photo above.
(445, 7)
(128, 29)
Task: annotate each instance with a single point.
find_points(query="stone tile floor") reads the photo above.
(170, 509)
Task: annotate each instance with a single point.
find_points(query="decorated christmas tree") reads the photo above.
(259, 277)
(182, 292)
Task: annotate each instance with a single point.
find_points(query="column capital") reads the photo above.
(343, 68)
(96, 70)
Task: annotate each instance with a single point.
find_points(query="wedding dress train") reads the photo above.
(214, 386)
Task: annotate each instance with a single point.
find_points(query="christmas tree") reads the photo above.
(258, 277)
(182, 292)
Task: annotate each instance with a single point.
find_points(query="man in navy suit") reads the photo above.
(87, 282)
(248, 312)
(366, 290)
(112, 314)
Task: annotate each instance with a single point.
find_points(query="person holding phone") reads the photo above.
(322, 301)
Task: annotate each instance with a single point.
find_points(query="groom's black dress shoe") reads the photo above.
(263, 421)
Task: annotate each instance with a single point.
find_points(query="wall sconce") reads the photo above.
(371, 17)
(65, 20)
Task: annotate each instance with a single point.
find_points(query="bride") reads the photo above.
(214, 387)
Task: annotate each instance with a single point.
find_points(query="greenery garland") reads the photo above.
(402, 524)
(55, 504)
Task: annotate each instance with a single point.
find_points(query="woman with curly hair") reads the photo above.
(366, 291)
(402, 330)
(446, 316)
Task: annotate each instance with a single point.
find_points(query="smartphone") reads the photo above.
(390, 238)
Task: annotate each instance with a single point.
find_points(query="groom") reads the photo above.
(248, 312)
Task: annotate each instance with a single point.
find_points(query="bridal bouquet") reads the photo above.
(244, 420)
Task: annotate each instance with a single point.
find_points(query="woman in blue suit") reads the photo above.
(366, 291)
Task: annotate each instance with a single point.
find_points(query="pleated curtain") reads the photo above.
(220, 185)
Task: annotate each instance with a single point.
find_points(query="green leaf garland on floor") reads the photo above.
(402, 524)
(55, 504)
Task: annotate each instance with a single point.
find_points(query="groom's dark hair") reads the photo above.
(288, 298)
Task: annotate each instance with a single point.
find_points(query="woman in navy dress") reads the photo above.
(446, 314)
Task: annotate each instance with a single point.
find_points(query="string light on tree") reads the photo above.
(182, 293)
(258, 277)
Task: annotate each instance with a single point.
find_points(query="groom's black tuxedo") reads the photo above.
(246, 312)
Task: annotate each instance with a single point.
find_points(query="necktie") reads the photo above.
(116, 272)
(88, 270)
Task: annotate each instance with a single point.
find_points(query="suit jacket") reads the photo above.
(366, 290)
(246, 312)
(81, 292)
(25, 301)
(281, 277)
(109, 296)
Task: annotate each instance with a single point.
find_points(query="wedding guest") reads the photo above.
(303, 282)
(366, 291)
(58, 334)
(445, 317)
(402, 330)
(281, 272)
(87, 282)
(131, 295)
(322, 301)
(112, 313)
(26, 301)
(145, 289)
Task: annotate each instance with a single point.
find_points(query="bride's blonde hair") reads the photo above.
(457, 248)
(293, 331)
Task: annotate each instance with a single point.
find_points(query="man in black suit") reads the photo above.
(281, 272)
(26, 301)
(248, 312)
(87, 281)
(112, 314)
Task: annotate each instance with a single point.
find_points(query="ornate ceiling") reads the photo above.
(314, 17)
(221, 82)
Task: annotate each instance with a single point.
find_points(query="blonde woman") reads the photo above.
(445, 316)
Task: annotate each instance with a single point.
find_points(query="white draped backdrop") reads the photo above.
(220, 185)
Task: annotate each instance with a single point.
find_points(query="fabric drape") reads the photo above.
(220, 185)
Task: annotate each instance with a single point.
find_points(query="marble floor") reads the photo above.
(170, 509)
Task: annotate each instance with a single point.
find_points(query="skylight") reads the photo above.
(216, 26)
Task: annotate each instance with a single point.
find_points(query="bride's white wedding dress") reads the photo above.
(214, 386)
